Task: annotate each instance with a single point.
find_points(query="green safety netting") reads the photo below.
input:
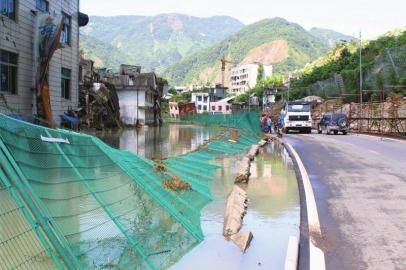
(22, 243)
(104, 207)
(247, 124)
(84, 205)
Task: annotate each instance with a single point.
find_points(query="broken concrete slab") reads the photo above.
(243, 172)
(253, 151)
(242, 240)
(262, 143)
(236, 209)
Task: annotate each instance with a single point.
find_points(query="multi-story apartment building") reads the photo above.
(202, 101)
(244, 77)
(17, 61)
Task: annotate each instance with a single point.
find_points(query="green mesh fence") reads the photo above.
(108, 208)
(22, 243)
(247, 124)
(84, 205)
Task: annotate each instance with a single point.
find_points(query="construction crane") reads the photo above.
(224, 61)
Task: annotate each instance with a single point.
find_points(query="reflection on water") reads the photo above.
(273, 211)
(159, 142)
(273, 215)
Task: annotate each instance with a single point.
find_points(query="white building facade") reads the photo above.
(138, 100)
(136, 105)
(202, 101)
(244, 77)
(17, 72)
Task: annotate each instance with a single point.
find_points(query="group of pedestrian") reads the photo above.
(266, 123)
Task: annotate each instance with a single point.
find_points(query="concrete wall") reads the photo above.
(18, 37)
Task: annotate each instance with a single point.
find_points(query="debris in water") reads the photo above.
(236, 209)
(234, 135)
(242, 240)
(175, 184)
(243, 172)
(160, 167)
(253, 152)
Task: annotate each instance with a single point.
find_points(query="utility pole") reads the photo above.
(360, 79)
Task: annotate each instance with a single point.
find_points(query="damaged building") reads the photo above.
(139, 95)
(99, 107)
(25, 31)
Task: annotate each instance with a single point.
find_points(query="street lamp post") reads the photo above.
(360, 81)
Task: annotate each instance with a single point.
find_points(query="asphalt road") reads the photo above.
(360, 188)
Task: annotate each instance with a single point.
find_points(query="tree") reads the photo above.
(173, 91)
(260, 74)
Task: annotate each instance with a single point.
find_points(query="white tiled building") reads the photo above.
(17, 73)
(244, 77)
(202, 101)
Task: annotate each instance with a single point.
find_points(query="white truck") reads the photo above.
(296, 115)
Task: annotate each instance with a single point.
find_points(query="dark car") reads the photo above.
(334, 122)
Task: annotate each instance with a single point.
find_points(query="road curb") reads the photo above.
(310, 256)
(292, 254)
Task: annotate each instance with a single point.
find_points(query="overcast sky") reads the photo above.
(372, 17)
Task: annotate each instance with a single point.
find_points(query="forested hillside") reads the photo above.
(152, 41)
(383, 62)
(298, 46)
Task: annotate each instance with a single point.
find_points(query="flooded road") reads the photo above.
(273, 209)
(159, 142)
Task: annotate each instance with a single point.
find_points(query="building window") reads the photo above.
(205, 99)
(199, 107)
(204, 107)
(8, 8)
(220, 108)
(42, 5)
(213, 108)
(227, 107)
(66, 31)
(8, 72)
(65, 83)
(199, 98)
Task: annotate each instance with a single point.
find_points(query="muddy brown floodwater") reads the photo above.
(273, 209)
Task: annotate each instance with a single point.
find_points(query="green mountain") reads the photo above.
(275, 41)
(329, 37)
(151, 42)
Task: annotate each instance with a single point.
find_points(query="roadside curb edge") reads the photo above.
(308, 203)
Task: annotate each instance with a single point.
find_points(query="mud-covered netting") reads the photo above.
(69, 201)
(99, 207)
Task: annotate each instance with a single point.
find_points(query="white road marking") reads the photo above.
(317, 260)
(378, 138)
(374, 152)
